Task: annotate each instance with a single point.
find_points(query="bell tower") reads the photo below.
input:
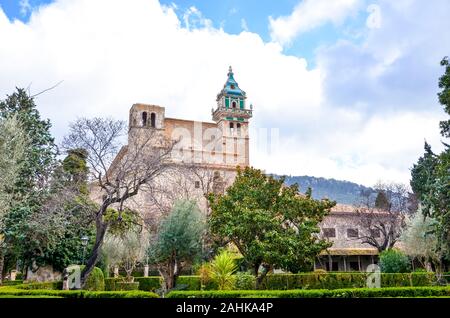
(232, 118)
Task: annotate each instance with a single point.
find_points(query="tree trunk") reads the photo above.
(259, 279)
(101, 228)
(170, 274)
(2, 262)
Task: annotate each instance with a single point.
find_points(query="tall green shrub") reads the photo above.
(394, 261)
(95, 281)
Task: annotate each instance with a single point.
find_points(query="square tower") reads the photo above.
(232, 118)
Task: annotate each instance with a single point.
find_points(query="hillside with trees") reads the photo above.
(344, 192)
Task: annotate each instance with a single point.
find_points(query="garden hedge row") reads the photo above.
(43, 285)
(293, 281)
(152, 283)
(302, 293)
(12, 282)
(343, 280)
(10, 291)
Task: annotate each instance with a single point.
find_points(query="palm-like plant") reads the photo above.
(223, 267)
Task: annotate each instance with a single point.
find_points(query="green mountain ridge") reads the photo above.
(341, 191)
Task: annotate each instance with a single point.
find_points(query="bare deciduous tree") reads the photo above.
(383, 219)
(117, 176)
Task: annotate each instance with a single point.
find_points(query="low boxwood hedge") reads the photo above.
(9, 291)
(343, 280)
(337, 280)
(11, 282)
(41, 285)
(318, 293)
(152, 283)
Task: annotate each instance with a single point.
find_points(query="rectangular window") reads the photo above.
(241, 103)
(197, 184)
(329, 232)
(352, 233)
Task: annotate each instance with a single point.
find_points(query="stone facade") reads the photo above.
(212, 151)
(342, 227)
(207, 152)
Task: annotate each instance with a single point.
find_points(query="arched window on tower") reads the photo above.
(238, 128)
(231, 128)
(233, 104)
(144, 119)
(153, 120)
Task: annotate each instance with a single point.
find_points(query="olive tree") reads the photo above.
(420, 241)
(177, 242)
(125, 251)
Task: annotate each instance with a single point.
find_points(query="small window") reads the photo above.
(352, 233)
(197, 184)
(232, 86)
(153, 120)
(329, 232)
(144, 119)
(233, 104)
(375, 233)
(238, 128)
(231, 128)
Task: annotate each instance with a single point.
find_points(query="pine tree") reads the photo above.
(31, 185)
(431, 175)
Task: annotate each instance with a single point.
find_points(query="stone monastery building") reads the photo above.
(214, 149)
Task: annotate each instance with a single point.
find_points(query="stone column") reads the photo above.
(146, 271)
(116, 271)
(13, 274)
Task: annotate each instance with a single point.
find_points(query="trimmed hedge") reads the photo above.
(343, 280)
(152, 283)
(293, 281)
(11, 282)
(126, 286)
(96, 279)
(318, 293)
(43, 285)
(9, 291)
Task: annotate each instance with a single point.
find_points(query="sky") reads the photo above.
(343, 89)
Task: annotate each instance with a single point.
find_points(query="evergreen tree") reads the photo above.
(272, 225)
(31, 185)
(13, 142)
(381, 201)
(431, 175)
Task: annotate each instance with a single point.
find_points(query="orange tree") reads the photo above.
(272, 225)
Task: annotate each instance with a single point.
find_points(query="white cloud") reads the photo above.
(113, 53)
(193, 19)
(310, 14)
